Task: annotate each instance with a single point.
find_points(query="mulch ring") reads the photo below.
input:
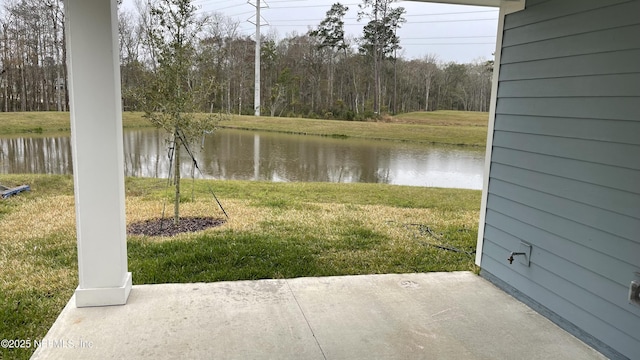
(165, 227)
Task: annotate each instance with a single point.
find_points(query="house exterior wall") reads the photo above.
(565, 166)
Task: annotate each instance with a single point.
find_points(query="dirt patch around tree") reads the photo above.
(165, 227)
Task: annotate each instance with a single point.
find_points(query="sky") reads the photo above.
(456, 33)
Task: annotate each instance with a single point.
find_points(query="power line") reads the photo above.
(275, 23)
(405, 15)
(355, 18)
(219, 1)
(242, 13)
(307, 6)
(228, 7)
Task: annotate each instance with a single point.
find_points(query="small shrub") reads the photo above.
(350, 115)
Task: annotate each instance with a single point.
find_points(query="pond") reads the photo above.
(246, 155)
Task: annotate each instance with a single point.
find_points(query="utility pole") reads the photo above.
(256, 96)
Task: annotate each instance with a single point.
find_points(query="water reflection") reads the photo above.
(244, 155)
(37, 155)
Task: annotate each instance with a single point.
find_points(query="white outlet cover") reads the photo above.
(526, 258)
(634, 293)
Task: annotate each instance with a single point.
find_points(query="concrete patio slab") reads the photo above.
(395, 316)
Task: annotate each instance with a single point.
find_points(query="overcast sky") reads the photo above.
(451, 32)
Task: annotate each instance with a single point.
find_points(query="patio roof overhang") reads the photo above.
(508, 5)
(492, 3)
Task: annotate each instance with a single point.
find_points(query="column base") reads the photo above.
(104, 296)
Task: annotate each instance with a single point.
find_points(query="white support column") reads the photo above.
(96, 138)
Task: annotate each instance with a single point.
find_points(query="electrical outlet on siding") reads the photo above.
(634, 293)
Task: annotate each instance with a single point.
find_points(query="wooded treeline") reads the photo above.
(320, 74)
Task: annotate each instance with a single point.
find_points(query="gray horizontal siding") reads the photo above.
(588, 172)
(565, 163)
(614, 62)
(551, 9)
(606, 243)
(617, 108)
(606, 198)
(622, 85)
(616, 39)
(578, 213)
(625, 14)
(607, 153)
(625, 132)
(609, 334)
(568, 249)
(573, 278)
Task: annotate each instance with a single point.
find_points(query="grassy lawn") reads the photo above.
(275, 230)
(439, 127)
(53, 122)
(444, 118)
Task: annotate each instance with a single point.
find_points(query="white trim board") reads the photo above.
(507, 7)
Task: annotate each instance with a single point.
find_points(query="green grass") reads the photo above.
(439, 127)
(444, 118)
(53, 122)
(281, 230)
(290, 195)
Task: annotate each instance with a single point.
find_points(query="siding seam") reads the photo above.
(572, 137)
(568, 117)
(558, 196)
(570, 56)
(567, 158)
(564, 16)
(562, 217)
(571, 35)
(556, 175)
(561, 237)
(570, 97)
(572, 76)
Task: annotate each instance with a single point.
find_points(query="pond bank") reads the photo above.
(439, 127)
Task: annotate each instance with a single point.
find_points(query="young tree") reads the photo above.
(171, 95)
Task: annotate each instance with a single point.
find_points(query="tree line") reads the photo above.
(320, 74)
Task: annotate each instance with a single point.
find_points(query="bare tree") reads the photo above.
(379, 38)
(429, 71)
